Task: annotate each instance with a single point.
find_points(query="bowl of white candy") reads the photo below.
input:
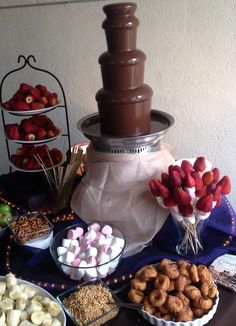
(84, 252)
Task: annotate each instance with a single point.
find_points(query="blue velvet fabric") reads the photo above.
(219, 237)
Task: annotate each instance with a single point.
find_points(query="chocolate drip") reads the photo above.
(124, 102)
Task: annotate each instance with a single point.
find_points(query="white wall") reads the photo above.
(191, 66)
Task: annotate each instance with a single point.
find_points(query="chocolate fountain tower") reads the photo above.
(124, 102)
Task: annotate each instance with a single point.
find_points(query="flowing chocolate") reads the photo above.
(124, 102)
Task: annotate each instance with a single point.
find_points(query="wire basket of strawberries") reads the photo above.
(190, 190)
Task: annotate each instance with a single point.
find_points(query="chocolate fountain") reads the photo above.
(125, 150)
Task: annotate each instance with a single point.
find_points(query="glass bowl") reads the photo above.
(90, 304)
(32, 229)
(79, 262)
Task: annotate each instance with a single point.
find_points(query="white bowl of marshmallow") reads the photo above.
(83, 252)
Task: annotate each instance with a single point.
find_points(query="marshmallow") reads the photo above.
(104, 248)
(107, 230)
(91, 235)
(91, 272)
(77, 251)
(119, 242)
(81, 270)
(72, 234)
(69, 257)
(66, 243)
(108, 239)
(91, 261)
(61, 251)
(82, 255)
(101, 240)
(79, 232)
(103, 258)
(95, 227)
(66, 269)
(76, 262)
(92, 251)
(103, 270)
(113, 251)
(61, 259)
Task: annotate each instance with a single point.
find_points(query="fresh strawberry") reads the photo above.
(169, 201)
(36, 106)
(52, 100)
(46, 93)
(40, 133)
(18, 97)
(55, 95)
(41, 88)
(165, 179)
(186, 166)
(25, 88)
(226, 185)
(201, 192)
(181, 196)
(189, 180)
(217, 192)
(200, 164)
(216, 175)
(186, 210)
(51, 133)
(28, 127)
(47, 162)
(21, 106)
(154, 185)
(204, 204)
(31, 149)
(21, 151)
(180, 171)
(219, 201)
(29, 137)
(198, 180)
(35, 93)
(207, 178)
(29, 165)
(40, 120)
(164, 191)
(42, 151)
(12, 131)
(6, 105)
(43, 100)
(29, 99)
(17, 160)
(175, 179)
(49, 124)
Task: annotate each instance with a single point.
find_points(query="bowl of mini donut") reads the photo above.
(175, 293)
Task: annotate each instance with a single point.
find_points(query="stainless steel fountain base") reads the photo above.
(160, 123)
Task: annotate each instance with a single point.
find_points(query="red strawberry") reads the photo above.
(40, 120)
(180, 171)
(217, 192)
(219, 201)
(40, 133)
(55, 95)
(18, 97)
(43, 100)
(186, 210)
(181, 196)
(41, 88)
(186, 166)
(198, 180)
(29, 137)
(12, 104)
(200, 164)
(6, 105)
(216, 175)
(35, 93)
(51, 133)
(170, 169)
(42, 151)
(28, 127)
(21, 151)
(36, 106)
(29, 99)
(17, 160)
(207, 178)
(56, 155)
(164, 191)
(189, 180)
(204, 204)
(165, 179)
(154, 186)
(175, 179)
(29, 165)
(201, 192)
(25, 88)
(226, 185)
(169, 201)
(46, 93)
(12, 131)
(22, 106)
(52, 100)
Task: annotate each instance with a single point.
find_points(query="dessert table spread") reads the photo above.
(36, 265)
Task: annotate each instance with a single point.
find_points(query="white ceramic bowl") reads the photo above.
(39, 291)
(196, 322)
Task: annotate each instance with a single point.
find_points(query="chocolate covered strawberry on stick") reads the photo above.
(190, 190)
(29, 98)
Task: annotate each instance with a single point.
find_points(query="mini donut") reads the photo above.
(157, 297)
(185, 272)
(138, 284)
(192, 292)
(183, 264)
(204, 274)
(185, 314)
(164, 262)
(213, 291)
(163, 309)
(174, 304)
(148, 273)
(147, 306)
(167, 316)
(171, 271)
(162, 282)
(202, 303)
(172, 286)
(158, 314)
(205, 289)
(183, 298)
(193, 273)
(139, 272)
(198, 312)
(180, 283)
(135, 296)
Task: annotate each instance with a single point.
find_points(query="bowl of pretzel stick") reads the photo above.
(175, 293)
